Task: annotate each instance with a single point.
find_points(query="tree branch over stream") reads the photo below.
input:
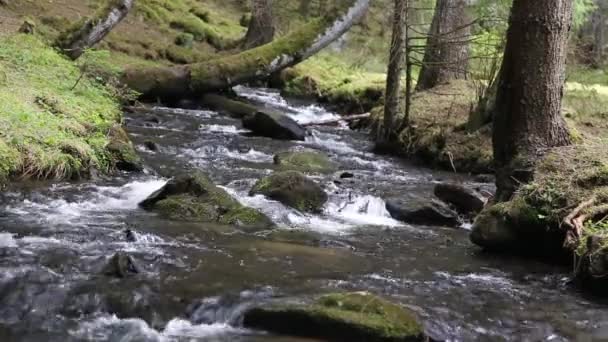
(176, 82)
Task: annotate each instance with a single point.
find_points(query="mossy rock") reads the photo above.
(305, 161)
(194, 197)
(123, 154)
(293, 189)
(340, 317)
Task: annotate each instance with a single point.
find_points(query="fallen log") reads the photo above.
(347, 118)
(177, 82)
(85, 34)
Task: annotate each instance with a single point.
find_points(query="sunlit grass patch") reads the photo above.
(50, 125)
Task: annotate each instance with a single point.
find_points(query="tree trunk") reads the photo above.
(261, 26)
(447, 49)
(304, 8)
(527, 115)
(395, 68)
(598, 21)
(91, 31)
(174, 83)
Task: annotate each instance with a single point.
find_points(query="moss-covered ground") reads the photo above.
(52, 125)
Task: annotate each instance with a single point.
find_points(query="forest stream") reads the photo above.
(196, 280)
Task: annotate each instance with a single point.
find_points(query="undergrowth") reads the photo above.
(50, 125)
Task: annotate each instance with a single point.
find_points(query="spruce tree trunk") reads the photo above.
(527, 115)
(174, 83)
(261, 27)
(447, 50)
(304, 8)
(599, 27)
(395, 67)
(92, 30)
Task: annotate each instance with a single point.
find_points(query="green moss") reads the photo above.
(330, 79)
(346, 316)
(195, 198)
(249, 62)
(305, 161)
(292, 189)
(187, 208)
(51, 129)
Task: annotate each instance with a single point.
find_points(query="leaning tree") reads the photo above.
(90, 31)
(527, 110)
(177, 82)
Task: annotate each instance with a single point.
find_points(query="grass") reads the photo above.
(51, 127)
(333, 81)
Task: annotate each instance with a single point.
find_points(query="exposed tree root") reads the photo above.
(575, 221)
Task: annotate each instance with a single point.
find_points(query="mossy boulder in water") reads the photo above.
(340, 317)
(305, 161)
(292, 189)
(274, 125)
(464, 199)
(194, 197)
(427, 212)
(123, 152)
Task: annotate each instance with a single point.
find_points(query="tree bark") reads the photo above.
(447, 49)
(92, 30)
(598, 21)
(261, 26)
(395, 68)
(527, 114)
(304, 8)
(174, 83)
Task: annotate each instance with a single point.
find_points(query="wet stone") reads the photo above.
(121, 265)
(429, 212)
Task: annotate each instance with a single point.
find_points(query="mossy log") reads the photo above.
(92, 30)
(172, 83)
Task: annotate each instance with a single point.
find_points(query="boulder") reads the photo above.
(274, 125)
(492, 231)
(193, 197)
(292, 189)
(120, 265)
(123, 152)
(339, 317)
(464, 199)
(429, 212)
(305, 161)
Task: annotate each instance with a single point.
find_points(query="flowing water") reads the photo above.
(197, 279)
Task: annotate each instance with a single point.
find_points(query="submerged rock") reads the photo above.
(292, 189)
(194, 197)
(120, 265)
(430, 212)
(340, 317)
(464, 199)
(305, 161)
(274, 125)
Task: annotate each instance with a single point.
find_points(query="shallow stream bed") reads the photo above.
(197, 279)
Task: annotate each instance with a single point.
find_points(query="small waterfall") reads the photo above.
(363, 210)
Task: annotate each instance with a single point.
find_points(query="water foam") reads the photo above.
(302, 114)
(102, 200)
(227, 129)
(217, 153)
(112, 328)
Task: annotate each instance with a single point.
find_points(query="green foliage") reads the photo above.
(49, 128)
